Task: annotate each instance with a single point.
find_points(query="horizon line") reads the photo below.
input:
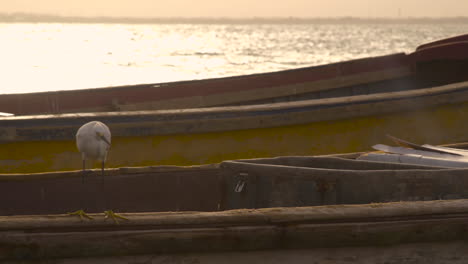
(44, 17)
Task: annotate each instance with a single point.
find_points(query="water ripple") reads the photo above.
(74, 56)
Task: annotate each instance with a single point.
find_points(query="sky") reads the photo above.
(240, 8)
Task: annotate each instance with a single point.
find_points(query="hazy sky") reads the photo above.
(241, 8)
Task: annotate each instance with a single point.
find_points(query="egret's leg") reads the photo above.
(102, 172)
(84, 171)
(102, 186)
(110, 213)
(81, 213)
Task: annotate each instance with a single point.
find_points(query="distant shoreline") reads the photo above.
(34, 18)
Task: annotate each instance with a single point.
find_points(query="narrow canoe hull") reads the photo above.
(191, 213)
(229, 185)
(253, 234)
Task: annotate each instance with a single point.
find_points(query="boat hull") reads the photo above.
(245, 210)
(255, 235)
(201, 136)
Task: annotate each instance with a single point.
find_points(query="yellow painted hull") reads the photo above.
(436, 125)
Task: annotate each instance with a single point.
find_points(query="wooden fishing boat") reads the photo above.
(295, 209)
(421, 96)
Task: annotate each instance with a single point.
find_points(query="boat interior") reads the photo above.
(256, 183)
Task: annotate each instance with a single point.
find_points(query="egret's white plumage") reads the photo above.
(93, 140)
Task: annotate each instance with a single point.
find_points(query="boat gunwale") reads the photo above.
(110, 172)
(323, 214)
(302, 105)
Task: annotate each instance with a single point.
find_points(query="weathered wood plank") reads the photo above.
(33, 237)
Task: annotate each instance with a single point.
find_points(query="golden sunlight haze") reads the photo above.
(241, 8)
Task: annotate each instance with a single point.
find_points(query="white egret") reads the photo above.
(93, 140)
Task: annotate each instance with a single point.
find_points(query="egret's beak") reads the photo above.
(101, 136)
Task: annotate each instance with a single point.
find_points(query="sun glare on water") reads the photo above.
(47, 57)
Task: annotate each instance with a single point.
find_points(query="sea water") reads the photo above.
(38, 57)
